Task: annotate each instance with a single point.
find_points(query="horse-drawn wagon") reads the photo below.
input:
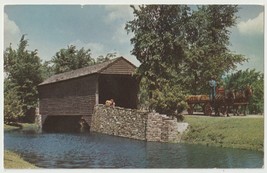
(199, 100)
(224, 102)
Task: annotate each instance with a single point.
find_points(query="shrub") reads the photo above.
(12, 106)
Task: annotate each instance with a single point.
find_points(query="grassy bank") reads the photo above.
(234, 132)
(14, 161)
(22, 126)
(10, 128)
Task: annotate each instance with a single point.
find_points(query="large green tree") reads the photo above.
(22, 73)
(208, 43)
(159, 46)
(181, 48)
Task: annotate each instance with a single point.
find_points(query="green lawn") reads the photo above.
(14, 161)
(234, 132)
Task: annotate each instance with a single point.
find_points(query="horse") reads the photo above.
(229, 101)
(248, 92)
(219, 101)
(242, 98)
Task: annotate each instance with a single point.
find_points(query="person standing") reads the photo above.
(212, 84)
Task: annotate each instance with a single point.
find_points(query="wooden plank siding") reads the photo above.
(71, 97)
(121, 66)
(76, 92)
(67, 106)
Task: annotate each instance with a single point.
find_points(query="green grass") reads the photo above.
(243, 133)
(10, 128)
(14, 161)
(24, 127)
(29, 126)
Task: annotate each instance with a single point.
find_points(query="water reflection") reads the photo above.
(92, 150)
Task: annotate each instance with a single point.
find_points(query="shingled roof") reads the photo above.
(93, 69)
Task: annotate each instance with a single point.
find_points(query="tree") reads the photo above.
(181, 47)
(240, 79)
(23, 71)
(158, 45)
(102, 58)
(208, 41)
(71, 59)
(47, 70)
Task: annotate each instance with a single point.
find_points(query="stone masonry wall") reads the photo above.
(154, 127)
(119, 122)
(131, 123)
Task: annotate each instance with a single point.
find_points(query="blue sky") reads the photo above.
(101, 28)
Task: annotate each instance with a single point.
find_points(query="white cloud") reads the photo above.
(252, 26)
(254, 62)
(97, 49)
(118, 12)
(118, 15)
(121, 35)
(12, 32)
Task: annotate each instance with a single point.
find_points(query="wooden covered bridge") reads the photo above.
(66, 98)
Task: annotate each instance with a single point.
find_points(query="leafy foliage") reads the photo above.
(102, 58)
(241, 79)
(158, 46)
(169, 100)
(71, 59)
(12, 104)
(180, 49)
(208, 40)
(47, 70)
(23, 73)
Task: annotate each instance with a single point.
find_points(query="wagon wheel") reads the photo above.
(190, 110)
(208, 109)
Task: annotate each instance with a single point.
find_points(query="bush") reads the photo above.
(12, 106)
(169, 100)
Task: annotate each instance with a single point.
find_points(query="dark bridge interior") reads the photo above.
(65, 124)
(122, 89)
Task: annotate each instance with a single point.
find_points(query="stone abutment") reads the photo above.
(136, 124)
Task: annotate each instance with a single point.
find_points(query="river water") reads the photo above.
(93, 150)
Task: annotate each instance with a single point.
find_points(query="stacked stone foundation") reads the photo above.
(136, 124)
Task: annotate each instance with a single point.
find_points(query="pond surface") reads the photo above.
(93, 150)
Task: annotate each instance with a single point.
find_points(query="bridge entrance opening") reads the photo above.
(122, 89)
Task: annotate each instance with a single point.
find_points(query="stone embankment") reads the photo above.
(136, 124)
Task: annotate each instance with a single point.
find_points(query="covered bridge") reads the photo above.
(72, 95)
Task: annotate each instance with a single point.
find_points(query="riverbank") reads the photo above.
(14, 161)
(234, 132)
(11, 159)
(21, 126)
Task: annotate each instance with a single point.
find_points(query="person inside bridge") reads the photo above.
(110, 103)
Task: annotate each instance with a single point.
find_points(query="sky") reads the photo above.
(100, 28)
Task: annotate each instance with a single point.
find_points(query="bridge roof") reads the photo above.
(114, 66)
